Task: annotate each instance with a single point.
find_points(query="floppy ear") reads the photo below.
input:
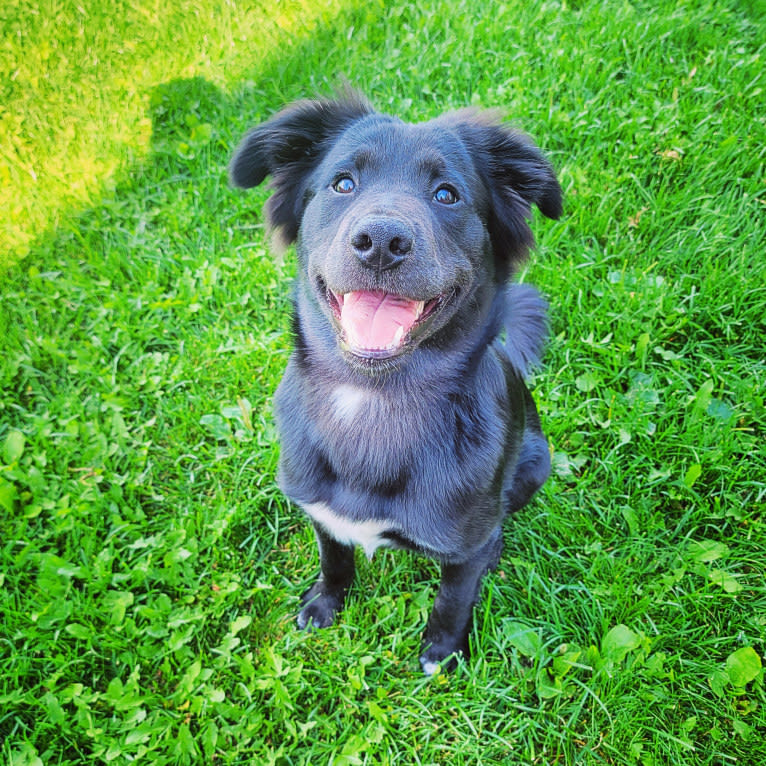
(517, 176)
(287, 147)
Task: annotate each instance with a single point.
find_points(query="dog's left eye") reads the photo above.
(344, 185)
(446, 195)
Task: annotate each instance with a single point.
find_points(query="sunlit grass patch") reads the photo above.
(77, 83)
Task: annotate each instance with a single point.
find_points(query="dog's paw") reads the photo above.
(441, 652)
(430, 668)
(320, 608)
(442, 647)
(316, 615)
(434, 660)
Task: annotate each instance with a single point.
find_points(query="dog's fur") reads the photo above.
(423, 437)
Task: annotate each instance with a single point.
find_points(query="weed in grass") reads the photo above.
(150, 569)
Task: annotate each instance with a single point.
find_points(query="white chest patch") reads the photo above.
(368, 534)
(347, 400)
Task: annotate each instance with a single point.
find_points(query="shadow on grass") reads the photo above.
(195, 126)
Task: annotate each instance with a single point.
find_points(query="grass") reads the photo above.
(150, 570)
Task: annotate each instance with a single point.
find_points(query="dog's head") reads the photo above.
(404, 231)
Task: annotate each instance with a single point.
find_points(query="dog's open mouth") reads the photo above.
(376, 324)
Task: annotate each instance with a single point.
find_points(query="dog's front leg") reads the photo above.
(449, 623)
(326, 597)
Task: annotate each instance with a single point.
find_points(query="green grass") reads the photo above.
(149, 568)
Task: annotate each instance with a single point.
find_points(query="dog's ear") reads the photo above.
(517, 176)
(287, 147)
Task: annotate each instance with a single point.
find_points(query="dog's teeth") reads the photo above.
(420, 306)
(397, 337)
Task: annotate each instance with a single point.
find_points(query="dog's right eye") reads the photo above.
(446, 195)
(344, 185)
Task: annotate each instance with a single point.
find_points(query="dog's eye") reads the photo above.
(344, 185)
(446, 195)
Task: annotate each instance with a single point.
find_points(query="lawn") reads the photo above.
(151, 570)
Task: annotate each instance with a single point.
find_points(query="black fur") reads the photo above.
(427, 442)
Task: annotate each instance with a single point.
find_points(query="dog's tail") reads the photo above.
(525, 320)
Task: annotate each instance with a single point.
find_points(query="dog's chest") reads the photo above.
(370, 534)
(348, 403)
(369, 433)
(373, 467)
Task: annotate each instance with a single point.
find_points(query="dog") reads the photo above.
(403, 413)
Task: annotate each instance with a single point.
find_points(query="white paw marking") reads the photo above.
(429, 668)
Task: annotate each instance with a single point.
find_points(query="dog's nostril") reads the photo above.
(362, 242)
(400, 245)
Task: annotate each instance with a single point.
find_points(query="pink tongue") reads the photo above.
(372, 319)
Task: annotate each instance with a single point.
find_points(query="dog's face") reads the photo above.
(403, 231)
(392, 235)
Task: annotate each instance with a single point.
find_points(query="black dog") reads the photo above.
(403, 413)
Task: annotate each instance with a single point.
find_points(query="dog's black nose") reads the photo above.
(381, 243)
